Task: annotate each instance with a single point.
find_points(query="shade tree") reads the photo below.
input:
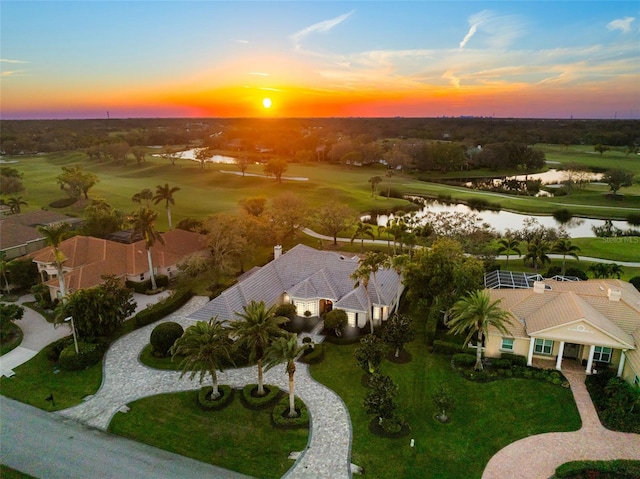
(334, 217)
(398, 331)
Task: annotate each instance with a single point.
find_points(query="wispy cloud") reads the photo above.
(6, 60)
(10, 73)
(622, 24)
(320, 27)
(244, 42)
(497, 31)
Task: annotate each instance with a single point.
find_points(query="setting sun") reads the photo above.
(266, 102)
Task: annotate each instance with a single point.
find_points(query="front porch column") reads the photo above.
(559, 359)
(532, 343)
(592, 350)
(623, 356)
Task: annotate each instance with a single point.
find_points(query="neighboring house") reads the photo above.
(89, 258)
(19, 233)
(312, 280)
(594, 322)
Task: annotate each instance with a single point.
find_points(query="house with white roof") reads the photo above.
(595, 323)
(315, 282)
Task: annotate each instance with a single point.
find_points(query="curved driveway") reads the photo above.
(537, 457)
(125, 379)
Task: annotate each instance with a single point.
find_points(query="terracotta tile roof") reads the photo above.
(89, 258)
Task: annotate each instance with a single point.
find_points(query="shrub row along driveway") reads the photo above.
(125, 380)
(537, 457)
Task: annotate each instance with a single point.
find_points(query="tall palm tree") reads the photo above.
(362, 230)
(537, 252)
(164, 193)
(144, 223)
(362, 275)
(508, 245)
(204, 346)
(286, 350)
(383, 229)
(564, 247)
(474, 313)
(54, 235)
(256, 330)
(614, 269)
(15, 203)
(375, 261)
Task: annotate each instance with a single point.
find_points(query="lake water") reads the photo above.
(191, 155)
(503, 220)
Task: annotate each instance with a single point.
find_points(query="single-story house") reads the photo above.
(19, 233)
(89, 258)
(595, 323)
(315, 282)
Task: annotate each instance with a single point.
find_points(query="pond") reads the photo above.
(503, 220)
(191, 155)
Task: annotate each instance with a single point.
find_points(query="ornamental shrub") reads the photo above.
(636, 282)
(617, 469)
(88, 355)
(287, 310)
(516, 359)
(207, 404)
(280, 419)
(272, 393)
(445, 347)
(502, 363)
(462, 359)
(163, 336)
(313, 356)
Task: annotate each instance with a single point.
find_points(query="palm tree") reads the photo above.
(508, 245)
(144, 224)
(374, 180)
(614, 269)
(564, 247)
(4, 267)
(164, 193)
(362, 275)
(256, 330)
(537, 252)
(145, 195)
(54, 235)
(362, 230)
(375, 261)
(475, 313)
(204, 346)
(286, 349)
(383, 229)
(14, 203)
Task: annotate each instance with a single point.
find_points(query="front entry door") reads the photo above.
(571, 351)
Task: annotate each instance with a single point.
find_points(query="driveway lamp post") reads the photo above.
(73, 331)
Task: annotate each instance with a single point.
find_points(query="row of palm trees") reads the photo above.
(206, 345)
(538, 250)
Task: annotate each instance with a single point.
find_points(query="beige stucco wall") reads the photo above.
(579, 332)
(628, 373)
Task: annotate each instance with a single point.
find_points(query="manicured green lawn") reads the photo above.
(487, 417)
(626, 248)
(7, 473)
(236, 438)
(35, 380)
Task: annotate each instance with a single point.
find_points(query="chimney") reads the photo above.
(538, 287)
(614, 294)
(277, 251)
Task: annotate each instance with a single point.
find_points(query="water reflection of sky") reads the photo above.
(503, 220)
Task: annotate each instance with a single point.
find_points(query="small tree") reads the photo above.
(8, 314)
(398, 331)
(242, 162)
(444, 401)
(381, 398)
(370, 353)
(163, 336)
(374, 181)
(600, 148)
(336, 319)
(617, 178)
(276, 167)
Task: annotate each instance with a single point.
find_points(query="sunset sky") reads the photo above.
(550, 59)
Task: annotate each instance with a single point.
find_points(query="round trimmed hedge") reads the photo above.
(88, 355)
(280, 418)
(223, 400)
(163, 336)
(251, 400)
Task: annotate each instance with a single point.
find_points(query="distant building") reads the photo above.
(19, 233)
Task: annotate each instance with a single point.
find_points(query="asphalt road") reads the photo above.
(48, 446)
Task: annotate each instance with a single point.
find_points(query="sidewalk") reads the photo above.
(125, 380)
(537, 457)
(37, 333)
